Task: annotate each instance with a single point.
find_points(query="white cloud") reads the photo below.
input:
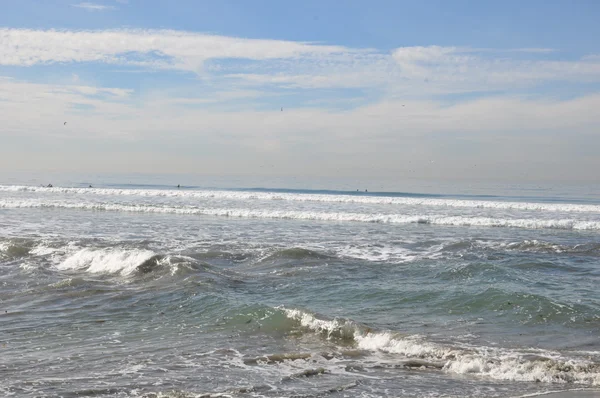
(407, 71)
(478, 69)
(385, 135)
(226, 117)
(535, 50)
(11, 90)
(153, 48)
(93, 6)
(386, 118)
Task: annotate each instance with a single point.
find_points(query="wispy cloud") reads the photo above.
(466, 69)
(152, 48)
(93, 6)
(229, 104)
(390, 118)
(499, 130)
(291, 65)
(535, 50)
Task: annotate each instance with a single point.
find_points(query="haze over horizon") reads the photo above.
(384, 89)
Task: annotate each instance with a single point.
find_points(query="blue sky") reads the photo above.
(398, 89)
(569, 25)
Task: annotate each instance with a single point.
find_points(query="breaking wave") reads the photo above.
(308, 197)
(532, 365)
(465, 221)
(112, 261)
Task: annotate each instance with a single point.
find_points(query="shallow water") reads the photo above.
(143, 291)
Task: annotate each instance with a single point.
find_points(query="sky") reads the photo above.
(443, 90)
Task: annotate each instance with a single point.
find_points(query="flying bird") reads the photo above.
(65, 123)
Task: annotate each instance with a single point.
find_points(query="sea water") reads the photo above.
(149, 290)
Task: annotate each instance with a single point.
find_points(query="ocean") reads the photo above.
(290, 290)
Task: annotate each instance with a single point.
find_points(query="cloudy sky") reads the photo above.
(504, 91)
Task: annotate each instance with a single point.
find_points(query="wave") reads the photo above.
(533, 365)
(112, 261)
(472, 247)
(524, 307)
(15, 248)
(535, 245)
(534, 223)
(306, 197)
(294, 254)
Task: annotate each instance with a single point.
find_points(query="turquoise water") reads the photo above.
(136, 288)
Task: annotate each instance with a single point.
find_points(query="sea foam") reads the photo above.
(464, 221)
(308, 197)
(531, 365)
(107, 261)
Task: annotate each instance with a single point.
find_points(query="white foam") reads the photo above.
(41, 250)
(465, 221)
(532, 245)
(516, 367)
(332, 328)
(106, 261)
(380, 253)
(306, 197)
(497, 363)
(409, 346)
(28, 266)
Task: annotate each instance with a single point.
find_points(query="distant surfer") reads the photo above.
(90, 186)
(281, 109)
(178, 186)
(49, 186)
